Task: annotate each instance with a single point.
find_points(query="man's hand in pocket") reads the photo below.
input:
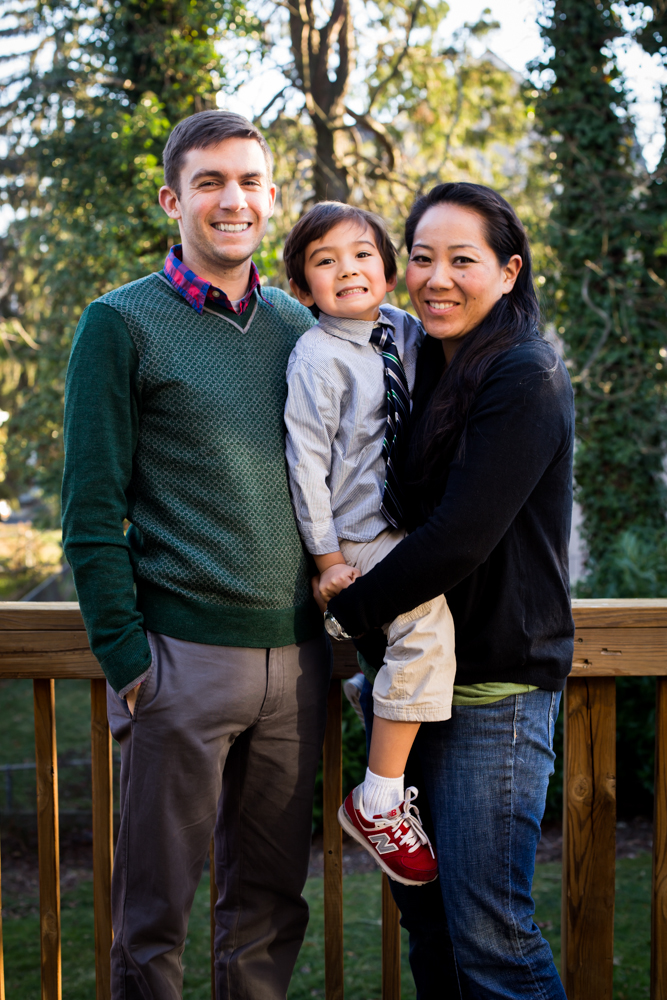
(131, 698)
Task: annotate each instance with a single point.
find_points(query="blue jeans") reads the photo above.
(483, 779)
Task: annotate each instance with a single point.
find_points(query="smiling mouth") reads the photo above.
(357, 290)
(440, 306)
(231, 227)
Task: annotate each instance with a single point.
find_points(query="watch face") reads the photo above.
(331, 626)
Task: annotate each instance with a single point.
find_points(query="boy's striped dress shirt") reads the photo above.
(336, 416)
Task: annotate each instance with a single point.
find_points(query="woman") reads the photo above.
(488, 501)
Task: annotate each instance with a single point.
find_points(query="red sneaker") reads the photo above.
(396, 839)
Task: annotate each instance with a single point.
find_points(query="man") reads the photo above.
(201, 615)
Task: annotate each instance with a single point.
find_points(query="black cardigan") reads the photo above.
(497, 542)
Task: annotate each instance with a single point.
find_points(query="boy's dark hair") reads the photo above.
(318, 221)
(203, 129)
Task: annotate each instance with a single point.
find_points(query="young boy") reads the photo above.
(349, 382)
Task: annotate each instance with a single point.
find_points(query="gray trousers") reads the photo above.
(229, 739)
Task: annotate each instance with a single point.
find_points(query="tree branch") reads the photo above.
(399, 59)
(268, 107)
(604, 316)
(378, 130)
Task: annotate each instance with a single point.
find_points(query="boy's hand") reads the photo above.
(337, 578)
(315, 584)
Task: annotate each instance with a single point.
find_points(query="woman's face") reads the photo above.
(453, 276)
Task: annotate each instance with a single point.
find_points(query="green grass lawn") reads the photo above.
(362, 938)
(17, 742)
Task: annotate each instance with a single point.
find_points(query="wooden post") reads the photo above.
(391, 945)
(102, 775)
(659, 895)
(589, 838)
(333, 845)
(48, 837)
(213, 891)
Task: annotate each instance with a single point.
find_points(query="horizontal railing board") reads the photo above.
(594, 613)
(59, 616)
(620, 613)
(48, 639)
(42, 642)
(610, 652)
(47, 653)
(77, 665)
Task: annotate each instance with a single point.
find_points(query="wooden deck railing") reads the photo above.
(44, 642)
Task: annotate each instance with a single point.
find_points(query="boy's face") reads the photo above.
(345, 273)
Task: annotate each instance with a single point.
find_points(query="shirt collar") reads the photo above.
(358, 331)
(196, 291)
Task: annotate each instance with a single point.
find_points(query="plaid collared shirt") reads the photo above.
(195, 290)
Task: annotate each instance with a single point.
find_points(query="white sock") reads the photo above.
(381, 794)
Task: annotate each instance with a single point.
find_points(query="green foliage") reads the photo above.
(607, 306)
(604, 293)
(414, 112)
(636, 565)
(85, 128)
(85, 139)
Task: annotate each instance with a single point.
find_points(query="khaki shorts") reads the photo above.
(416, 680)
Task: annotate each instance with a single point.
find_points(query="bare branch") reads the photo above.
(379, 131)
(13, 326)
(374, 94)
(287, 6)
(604, 316)
(654, 277)
(268, 107)
(344, 34)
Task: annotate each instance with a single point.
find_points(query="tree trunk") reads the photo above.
(324, 90)
(330, 179)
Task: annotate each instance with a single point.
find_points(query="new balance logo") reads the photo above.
(383, 844)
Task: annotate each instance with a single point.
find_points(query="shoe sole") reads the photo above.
(352, 831)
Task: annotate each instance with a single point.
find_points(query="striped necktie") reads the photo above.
(395, 435)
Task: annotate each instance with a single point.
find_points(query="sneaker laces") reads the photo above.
(415, 836)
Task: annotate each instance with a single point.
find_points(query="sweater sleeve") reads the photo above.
(102, 407)
(312, 415)
(520, 422)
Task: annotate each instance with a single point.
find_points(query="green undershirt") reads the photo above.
(487, 692)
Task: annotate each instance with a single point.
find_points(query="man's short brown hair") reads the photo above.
(204, 129)
(317, 222)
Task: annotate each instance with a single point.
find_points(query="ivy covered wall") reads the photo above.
(606, 298)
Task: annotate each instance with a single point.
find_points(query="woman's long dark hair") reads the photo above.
(514, 318)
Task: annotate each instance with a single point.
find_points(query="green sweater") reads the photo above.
(174, 422)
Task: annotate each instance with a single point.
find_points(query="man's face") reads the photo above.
(225, 202)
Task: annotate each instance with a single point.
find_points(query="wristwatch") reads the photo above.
(334, 627)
